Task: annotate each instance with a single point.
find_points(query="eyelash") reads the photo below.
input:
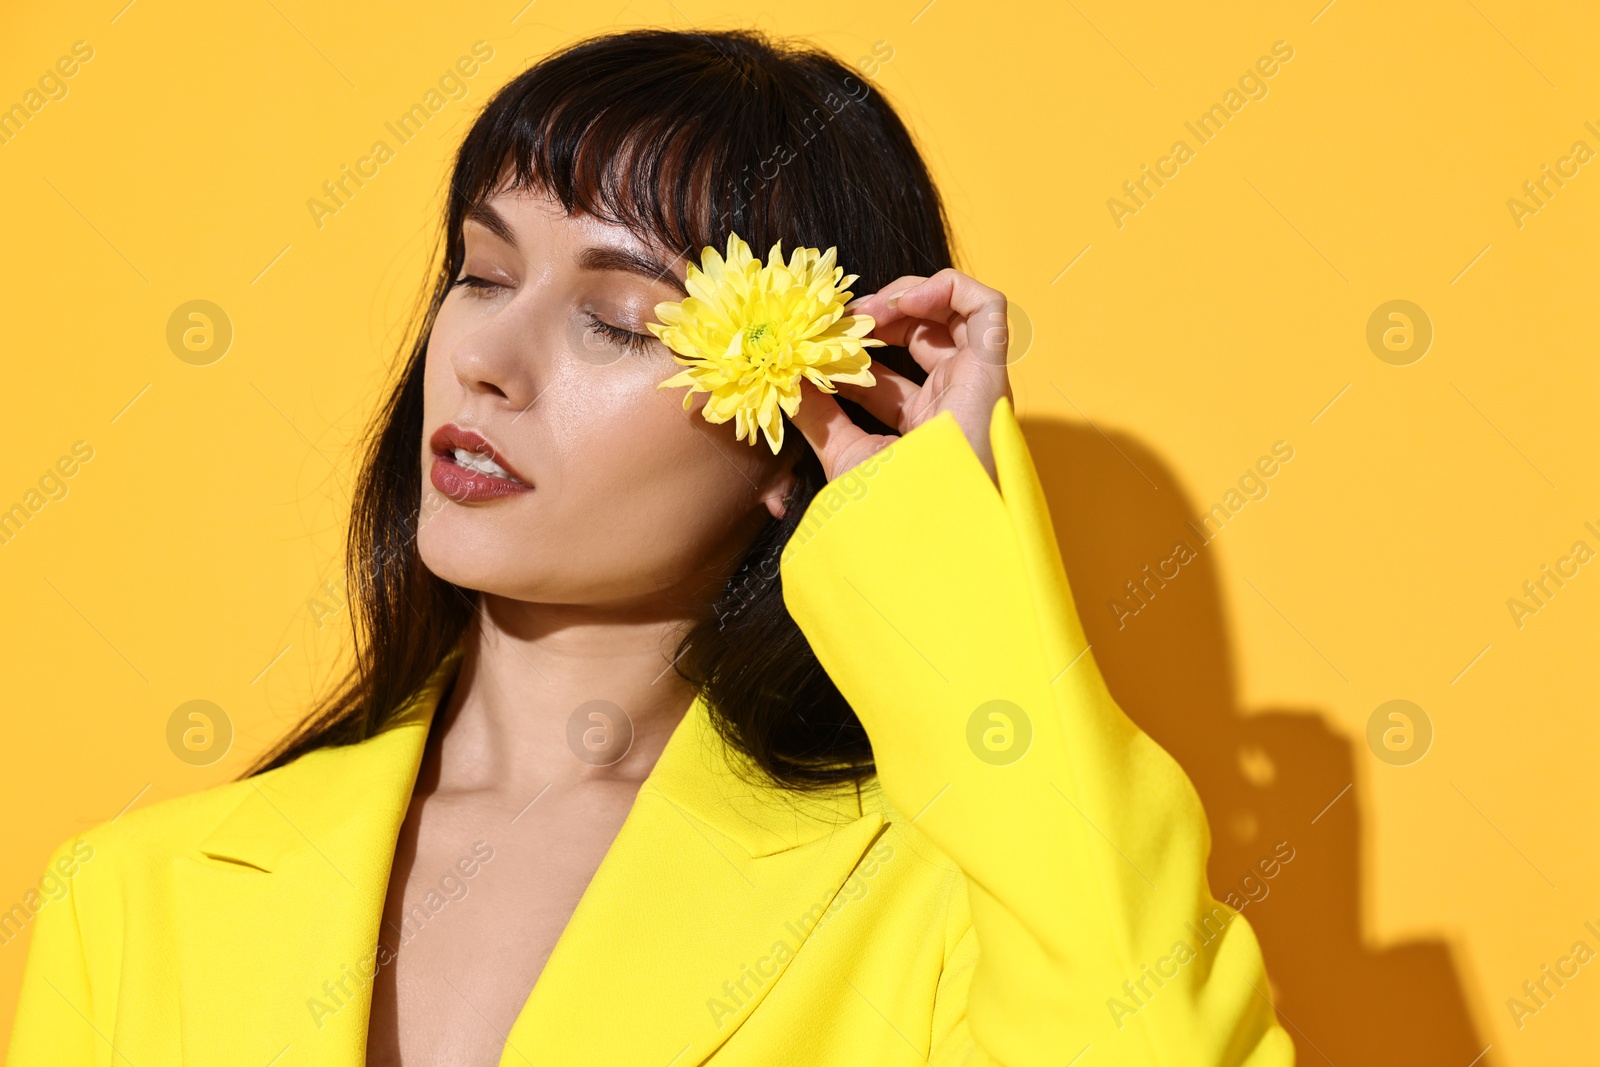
(477, 286)
(637, 342)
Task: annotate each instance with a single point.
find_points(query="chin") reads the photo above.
(462, 552)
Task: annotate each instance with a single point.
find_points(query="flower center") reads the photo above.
(761, 339)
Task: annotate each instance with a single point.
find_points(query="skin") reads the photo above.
(639, 513)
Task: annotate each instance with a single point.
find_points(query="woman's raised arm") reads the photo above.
(935, 598)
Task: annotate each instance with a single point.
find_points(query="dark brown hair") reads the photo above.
(681, 137)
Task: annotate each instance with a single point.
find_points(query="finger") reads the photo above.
(956, 299)
(895, 327)
(886, 401)
(879, 298)
(878, 304)
(825, 425)
(948, 291)
(904, 331)
(884, 306)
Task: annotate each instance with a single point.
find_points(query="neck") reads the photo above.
(547, 694)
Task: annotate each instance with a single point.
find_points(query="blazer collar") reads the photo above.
(713, 870)
(290, 809)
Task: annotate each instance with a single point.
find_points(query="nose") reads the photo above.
(500, 356)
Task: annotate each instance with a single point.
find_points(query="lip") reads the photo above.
(460, 484)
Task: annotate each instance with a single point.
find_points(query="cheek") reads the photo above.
(653, 493)
(640, 474)
(634, 495)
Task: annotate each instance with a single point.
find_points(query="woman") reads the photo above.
(663, 749)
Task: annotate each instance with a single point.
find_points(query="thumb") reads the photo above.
(827, 427)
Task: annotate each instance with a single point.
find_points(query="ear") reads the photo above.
(779, 481)
(777, 491)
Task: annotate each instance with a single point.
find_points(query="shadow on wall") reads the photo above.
(1263, 776)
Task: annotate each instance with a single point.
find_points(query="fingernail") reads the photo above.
(894, 300)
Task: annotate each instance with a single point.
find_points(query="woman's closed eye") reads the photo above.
(617, 335)
(476, 286)
(480, 288)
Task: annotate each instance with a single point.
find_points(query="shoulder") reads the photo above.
(144, 840)
(923, 873)
(97, 881)
(132, 853)
(314, 790)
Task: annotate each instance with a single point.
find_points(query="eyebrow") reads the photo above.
(593, 258)
(618, 259)
(486, 216)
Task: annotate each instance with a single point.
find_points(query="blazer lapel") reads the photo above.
(279, 909)
(711, 886)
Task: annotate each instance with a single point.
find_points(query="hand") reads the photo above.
(955, 328)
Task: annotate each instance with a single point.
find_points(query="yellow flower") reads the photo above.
(748, 332)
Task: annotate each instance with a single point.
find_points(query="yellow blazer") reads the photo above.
(1024, 882)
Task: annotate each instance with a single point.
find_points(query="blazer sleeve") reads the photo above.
(939, 606)
(53, 1025)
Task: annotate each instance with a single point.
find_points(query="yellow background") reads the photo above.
(188, 558)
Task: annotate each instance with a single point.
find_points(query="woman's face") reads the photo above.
(543, 362)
